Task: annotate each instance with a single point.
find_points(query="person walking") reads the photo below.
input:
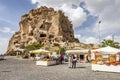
(70, 61)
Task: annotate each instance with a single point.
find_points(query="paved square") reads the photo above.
(19, 69)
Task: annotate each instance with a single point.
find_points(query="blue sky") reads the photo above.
(84, 14)
(10, 15)
(11, 11)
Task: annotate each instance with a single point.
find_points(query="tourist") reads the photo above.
(61, 59)
(70, 61)
(74, 60)
(57, 60)
(47, 57)
(87, 59)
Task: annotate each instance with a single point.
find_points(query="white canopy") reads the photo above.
(18, 49)
(39, 51)
(107, 50)
(77, 51)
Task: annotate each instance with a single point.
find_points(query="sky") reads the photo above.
(93, 20)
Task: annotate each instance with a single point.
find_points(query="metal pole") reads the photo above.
(99, 31)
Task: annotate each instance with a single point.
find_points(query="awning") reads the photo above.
(108, 50)
(39, 51)
(77, 51)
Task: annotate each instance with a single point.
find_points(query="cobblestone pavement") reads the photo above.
(19, 69)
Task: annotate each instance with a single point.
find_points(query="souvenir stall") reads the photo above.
(106, 59)
(82, 54)
(46, 62)
(42, 57)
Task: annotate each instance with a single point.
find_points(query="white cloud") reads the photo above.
(113, 37)
(8, 21)
(86, 39)
(78, 36)
(54, 2)
(109, 37)
(108, 12)
(117, 38)
(3, 44)
(91, 40)
(76, 15)
(6, 30)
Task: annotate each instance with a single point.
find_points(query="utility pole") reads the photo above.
(99, 31)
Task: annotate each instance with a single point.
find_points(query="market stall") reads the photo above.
(106, 59)
(45, 63)
(36, 53)
(82, 54)
(42, 57)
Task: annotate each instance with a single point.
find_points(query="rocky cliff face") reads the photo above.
(42, 25)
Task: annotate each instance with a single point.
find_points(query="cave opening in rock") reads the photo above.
(42, 35)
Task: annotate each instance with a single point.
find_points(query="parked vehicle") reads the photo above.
(1, 57)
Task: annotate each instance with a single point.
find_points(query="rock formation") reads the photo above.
(42, 25)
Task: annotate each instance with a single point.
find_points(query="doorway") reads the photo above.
(81, 58)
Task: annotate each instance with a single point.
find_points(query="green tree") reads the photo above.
(34, 46)
(111, 43)
(61, 50)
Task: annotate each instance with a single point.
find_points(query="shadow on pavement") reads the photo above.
(80, 67)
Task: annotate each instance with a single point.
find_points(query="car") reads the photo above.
(65, 59)
(1, 57)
